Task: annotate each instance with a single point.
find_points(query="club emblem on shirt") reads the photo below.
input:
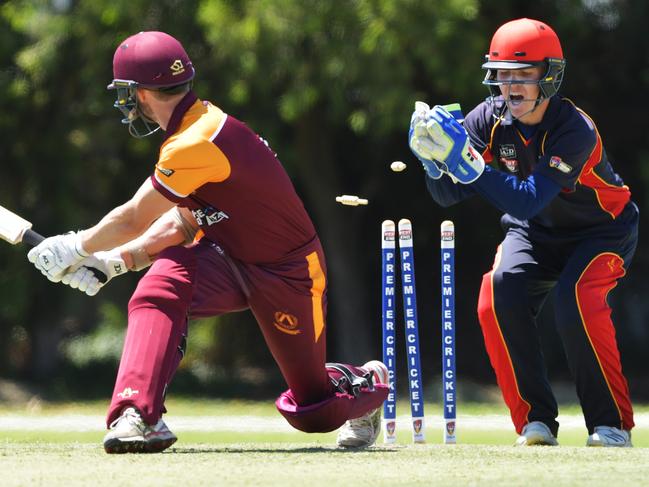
(209, 216)
(508, 157)
(166, 172)
(557, 163)
(286, 323)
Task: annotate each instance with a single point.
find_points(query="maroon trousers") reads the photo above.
(288, 300)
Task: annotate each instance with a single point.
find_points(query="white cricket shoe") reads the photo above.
(130, 434)
(609, 436)
(536, 433)
(363, 432)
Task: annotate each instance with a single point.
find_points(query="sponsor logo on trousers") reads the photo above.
(286, 323)
(127, 393)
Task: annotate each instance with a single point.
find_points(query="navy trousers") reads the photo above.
(583, 267)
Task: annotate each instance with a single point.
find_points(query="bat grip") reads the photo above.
(33, 238)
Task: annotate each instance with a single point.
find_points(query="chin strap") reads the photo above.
(149, 126)
(505, 115)
(136, 133)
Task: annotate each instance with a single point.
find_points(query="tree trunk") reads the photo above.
(319, 174)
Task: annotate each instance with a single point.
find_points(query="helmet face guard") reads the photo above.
(154, 61)
(523, 44)
(548, 84)
(139, 126)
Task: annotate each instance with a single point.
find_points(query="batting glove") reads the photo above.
(54, 255)
(82, 277)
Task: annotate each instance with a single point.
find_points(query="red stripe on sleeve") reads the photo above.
(612, 199)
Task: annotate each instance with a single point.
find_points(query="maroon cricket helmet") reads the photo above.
(152, 60)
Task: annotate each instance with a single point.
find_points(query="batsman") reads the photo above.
(222, 229)
(569, 223)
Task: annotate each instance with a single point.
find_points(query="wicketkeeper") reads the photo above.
(569, 222)
(223, 230)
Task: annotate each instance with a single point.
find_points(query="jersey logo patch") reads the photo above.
(166, 172)
(557, 163)
(508, 157)
(209, 216)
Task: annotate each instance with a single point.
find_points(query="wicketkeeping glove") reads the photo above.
(54, 255)
(82, 277)
(418, 140)
(449, 143)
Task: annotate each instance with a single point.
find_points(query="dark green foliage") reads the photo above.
(331, 85)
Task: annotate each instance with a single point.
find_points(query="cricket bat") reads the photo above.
(15, 229)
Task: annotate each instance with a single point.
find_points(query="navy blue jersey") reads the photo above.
(567, 149)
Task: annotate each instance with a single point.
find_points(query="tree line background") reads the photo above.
(331, 85)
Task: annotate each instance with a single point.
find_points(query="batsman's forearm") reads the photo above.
(116, 228)
(163, 233)
(128, 221)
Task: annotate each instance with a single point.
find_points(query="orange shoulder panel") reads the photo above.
(189, 159)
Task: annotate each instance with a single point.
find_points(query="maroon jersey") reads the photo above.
(233, 183)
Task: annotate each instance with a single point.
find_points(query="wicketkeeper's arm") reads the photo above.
(521, 198)
(447, 193)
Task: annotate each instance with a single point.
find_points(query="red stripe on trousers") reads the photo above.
(591, 290)
(498, 353)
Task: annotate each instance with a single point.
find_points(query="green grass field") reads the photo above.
(61, 445)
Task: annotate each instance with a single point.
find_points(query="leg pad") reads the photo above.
(330, 414)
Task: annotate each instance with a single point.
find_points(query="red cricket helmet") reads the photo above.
(524, 43)
(151, 60)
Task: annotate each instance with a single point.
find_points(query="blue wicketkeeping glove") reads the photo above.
(448, 142)
(455, 110)
(418, 140)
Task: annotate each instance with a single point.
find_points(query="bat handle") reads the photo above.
(33, 238)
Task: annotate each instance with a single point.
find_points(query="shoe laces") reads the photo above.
(364, 421)
(129, 414)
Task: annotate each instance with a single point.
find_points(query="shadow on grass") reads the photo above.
(281, 450)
